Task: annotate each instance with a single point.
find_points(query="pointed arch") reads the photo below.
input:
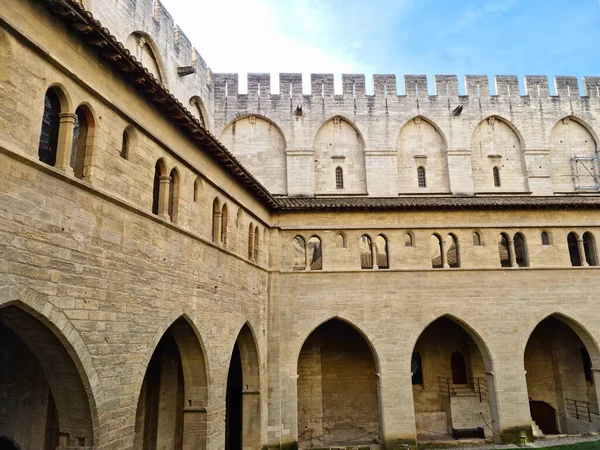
(176, 383)
(128, 142)
(571, 136)
(142, 46)
(497, 146)
(339, 149)
(224, 224)
(174, 193)
(422, 159)
(61, 352)
(243, 415)
(260, 145)
(256, 243)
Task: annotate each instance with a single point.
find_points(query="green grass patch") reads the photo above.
(581, 446)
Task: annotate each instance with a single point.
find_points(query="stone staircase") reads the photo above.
(537, 432)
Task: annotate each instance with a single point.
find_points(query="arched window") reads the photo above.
(574, 249)
(496, 176)
(256, 242)
(416, 369)
(48, 145)
(216, 224)
(83, 126)
(197, 189)
(224, 224)
(589, 247)
(504, 250)
(315, 253)
(421, 177)
(126, 144)
(251, 241)
(381, 252)
(408, 240)
(435, 250)
(545, 238)
(340, 240)
(174, 195)
(299, 249)
(366, 253)
(520, 250)
(339, 178)
(158, 188)
(476, 239)
(452, 254)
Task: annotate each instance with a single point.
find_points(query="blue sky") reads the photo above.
(505, 37)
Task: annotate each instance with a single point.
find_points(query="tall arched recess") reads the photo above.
(338, 400)
(44, 403)
(496, 144)
(243, 420)
(171, 411)
(339, 144)
(260, 146)
(561, 360)
(453, 385)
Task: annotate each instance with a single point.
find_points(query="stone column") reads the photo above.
(397, 414)
(445, 264)
(163, 196)
(582, 256)
(374, 254)
(511, 252)
(218, 222)
(65, 142)
(251, 420)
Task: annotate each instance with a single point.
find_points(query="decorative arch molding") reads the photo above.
(501, 118)
(137, 34)
(262, 115)
(180, 312)
(310, 329)
(575, 323)
(340, 115)
(430, 122)
(39, 307)
(66, 103)
(464, 324)
(197, 101)
(575, 118)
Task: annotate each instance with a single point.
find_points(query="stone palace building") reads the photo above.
(186, 267)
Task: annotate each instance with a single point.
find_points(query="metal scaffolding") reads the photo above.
(585, 172)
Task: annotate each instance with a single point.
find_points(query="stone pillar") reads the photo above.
(584, 261)
(65, 142)
(444, 255)
(537, 163)
(251, 420)
(511, 252)
(218, 223)
(509, 402)
(163, 196)
(382, 172)
(397, 414)
(194, 427)
(301, 172)
(460, 171)
(374, 255)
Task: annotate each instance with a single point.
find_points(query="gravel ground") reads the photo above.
(542, 443)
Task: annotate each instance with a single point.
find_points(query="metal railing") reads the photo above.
(578, 409)
(476, 386)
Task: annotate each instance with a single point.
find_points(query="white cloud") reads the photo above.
(265, 36)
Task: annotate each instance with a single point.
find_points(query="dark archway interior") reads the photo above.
(560, 382)
(43, 403)
(159, 421)
(337, 388)
(234, 405)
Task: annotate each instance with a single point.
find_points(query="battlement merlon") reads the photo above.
(354, 85)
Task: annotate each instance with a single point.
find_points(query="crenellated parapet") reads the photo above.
(463, 133)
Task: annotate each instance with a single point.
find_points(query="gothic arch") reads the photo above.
(81, 414)
(475, 335)
(580, 121)
(339, 143)
(508, 122)
(264, 116)
(430, 122)
(260, 145)
(497, 154)
(198, 108)
(298, 344)
(131, 44)
(321, 123)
